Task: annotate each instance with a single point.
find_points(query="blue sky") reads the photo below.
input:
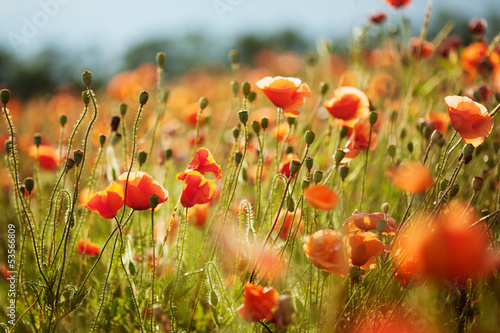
(27, 26)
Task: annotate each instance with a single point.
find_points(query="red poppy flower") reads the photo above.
(85, 246)
(419, 49)
(287, 222)
(348, 104)
(359, 139)
(321, 197)
(47, 156)
(364, 247)
(5, 272)
(259, 303)
(367, 222)
(413, 177)
(203, 162)
(287, 93)
(470, 119)
(398, 3)
(106, 203)
(285, 164)
(329, 251)
(140, 187)
(197, 189)
(377, 17)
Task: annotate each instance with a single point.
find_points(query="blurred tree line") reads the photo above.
(40, 74)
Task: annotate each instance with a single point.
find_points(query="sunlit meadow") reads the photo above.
(319, 192)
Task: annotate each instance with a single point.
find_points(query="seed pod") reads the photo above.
(309, 137)
(288, 150)
(477, 184)
(143, 97)
(153, 200)
(372, 117)
(305, 184)
(87, 78)
(245, 88)
(102, 139)
(294, 166)
(264, 122)
(252, 95)
(168, 154)
(410, 147)
(5, 96)
(343, 132)
(323, 88)
(237, 157)
(385, 207)
(317, 176)
(256, 127)
(123, 109)
(236, 132)
(37, 139)
(339, 156)
(344, 172)
(243, 116)
(160, 59)
(70, 164)
(115, 122)
(381, 226)
(29, 183)
(203, 103)
(142, 156)
(78, 156)
(391, 150)
(309, 162)
(467, 150)
(234, 57)
(62, 120)
(235, 87)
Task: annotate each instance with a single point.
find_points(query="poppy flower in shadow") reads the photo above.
(348, 104)
(106, 203)
(364, 247)
(470, 119)
(140, 187)
(85, 246)
(360, 139)
(259, 303)
(47, 156)
(413, 177)
(287, 93)
(419, 49)
(321, 197)
(197, 189)
(367, 222)
(328, 250)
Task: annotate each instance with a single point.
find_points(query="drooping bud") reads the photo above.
(70, 164)
(8, 146)
(410, 147)
(143, 97)
(290, 204)
(454, 190)
(87, 78)
(5, 96)
(381, 224)
(385, 207)
(115, 122)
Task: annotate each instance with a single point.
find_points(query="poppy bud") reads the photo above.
(243, 116)
(252, 95)
(115, 137)
(264, 122)
(309, 137)
(37, 139)
(290, 120)
(22, 189)
(123, 109)
(62, 120)
(410, 147)
(378, 17)
(142, 156)
(5, 96)
(311, 58)
(454, 190)
(309, 162)
(343, 132)
(85, 97)
(426, 132)
(305, 184)
(234, 57)
(344, 172)
(403, 133)
(143, 97)
(203, 102)
(441, 142)
(391, 150)
(477, 184)
(436, 136)
(160, 59)
(339, 156)
(372, 117)
(153, 200)
(236, 132)
(8, 146)
(29, 183)
(256, 126)
(78, 156)
(168, 154)
(115, 122)
(467, 150)
(355, 274)
(290, 204)
(385, 207)
(477, 26)
(131, 267)
(235, 87)
(284, 311)
(237, 157)
(102, 139)
(245, 88)
(70, 164)
(244, 174)
(87, 78)
(317, 176)
(288, 150)
(294, 167)
(323, 88)
(444, 184)
(394, 116)
(381, 226)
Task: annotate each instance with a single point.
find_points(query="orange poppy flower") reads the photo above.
(321, 197)
(398, 3)
(348, 104)
(287, 93)
(413, 177)
(367, 222)
(285, 164)
(259, 303)
(106, 203)
(359, 138)
(439, 121)
(85, 246)
(454, 251)
(289, 222)
(48, 158)
(473, 58)
(416, 46)
(329, 251)
(470, 119)
(203, 162)
(197, 189)
(140, 187)
(364, 247)
(200, 215)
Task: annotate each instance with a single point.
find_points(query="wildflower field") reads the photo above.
(318, 192)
